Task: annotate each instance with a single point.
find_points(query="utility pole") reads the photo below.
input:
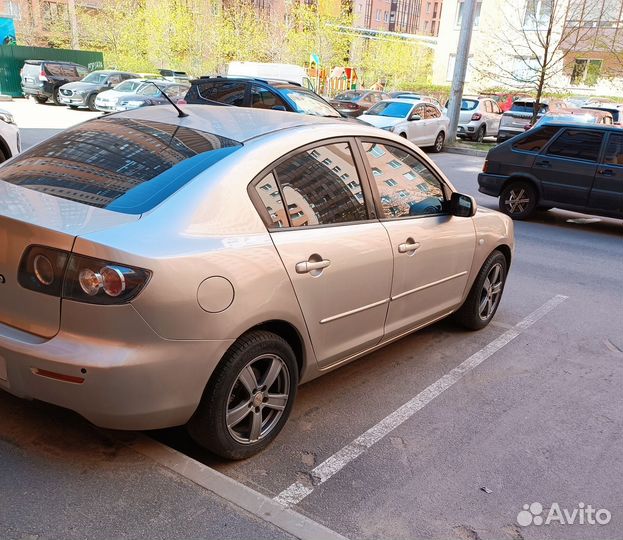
(73, 24)
(460, 67)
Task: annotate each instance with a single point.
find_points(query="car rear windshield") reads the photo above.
(122, 164)
(468, 104)
(527, 106)
(347, 96)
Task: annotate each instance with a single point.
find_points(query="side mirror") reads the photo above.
(462, 205)
(415, 117)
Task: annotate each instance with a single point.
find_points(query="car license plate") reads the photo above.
(28, 80)
(4, 376)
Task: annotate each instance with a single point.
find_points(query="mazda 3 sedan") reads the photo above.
(158, 271)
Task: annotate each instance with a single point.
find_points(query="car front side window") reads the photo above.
(408, 190)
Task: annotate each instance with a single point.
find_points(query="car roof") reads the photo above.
(52, 62)
(266, 80)
(237, 123)
(599, 127)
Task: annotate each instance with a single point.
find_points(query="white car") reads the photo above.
(9, 136)
(422, 123)
(107, 101)
(479, 118)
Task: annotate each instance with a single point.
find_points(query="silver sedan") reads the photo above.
(157, 271)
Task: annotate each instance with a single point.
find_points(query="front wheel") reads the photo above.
(438, 146)
(484, 297)
(518, 200)
(249, 397)
(91, 102)
(56, 96)
(41, 99)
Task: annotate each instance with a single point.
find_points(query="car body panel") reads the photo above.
(10, 143)
(159, 351)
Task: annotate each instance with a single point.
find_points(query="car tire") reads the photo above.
(484, 297)
(221, 423)
(56, 96)
(518, 200)
(41, 99)
(91, 102)
(438, 146)
(73, 107)
(499, 139)
(2, 156)
(480, 134)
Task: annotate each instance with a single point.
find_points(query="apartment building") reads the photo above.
(402, 16)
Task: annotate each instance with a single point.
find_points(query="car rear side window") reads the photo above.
(614, 150)
(268, 192)
(577, 144)
(228, 92)
(321, 186)
(407, 188)
(121, 164)
(61, 70)
(537, 139)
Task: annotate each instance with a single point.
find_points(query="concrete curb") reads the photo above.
(4, 97)
(464, 151)
(223, 486)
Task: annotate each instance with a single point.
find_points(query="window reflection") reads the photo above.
(321, 186)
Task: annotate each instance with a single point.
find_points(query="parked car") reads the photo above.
(514, 121)
(9, 136)
(479, 118)
(504, 100)
(42, 79)
(354, 103)
(207, 266)
(83, 93)
(615, 110)
(422, 123)
(174, 76)
(258, 94)
(574, 116)
(566, 166)
(135, 93)
(416, 97)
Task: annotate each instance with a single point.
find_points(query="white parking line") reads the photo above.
(319, 475)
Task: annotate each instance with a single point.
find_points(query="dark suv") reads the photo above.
(43, 78)
(567, 166)
(259, 94)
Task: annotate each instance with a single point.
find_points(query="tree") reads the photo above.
(539, 35)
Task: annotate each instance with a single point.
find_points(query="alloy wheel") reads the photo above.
(258, 398)
(517, 201)
(491, 292)
(439, 142)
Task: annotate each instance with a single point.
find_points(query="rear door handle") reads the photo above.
(408, 246)
(543, 163)
(304, 267)
(606, 172)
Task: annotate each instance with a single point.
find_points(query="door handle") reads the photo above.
(304, 267)
(606, 172)
(543, 163)
(408, 246)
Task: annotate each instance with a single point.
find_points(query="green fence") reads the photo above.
(12, 59)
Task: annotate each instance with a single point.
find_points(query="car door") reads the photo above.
(336, 254)
(433, 125)
(263, 98)
(567, 166)
(607, 192)
(417, 128)
(432, 250)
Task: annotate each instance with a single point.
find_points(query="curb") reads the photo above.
(464, 151)
(5, 97)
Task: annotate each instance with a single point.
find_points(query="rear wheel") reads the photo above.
(41, 99)
(438, 146)
(480, 134)
(484, 297)
(249, 397)
(56, 96)
(2, 156)
(518, 200)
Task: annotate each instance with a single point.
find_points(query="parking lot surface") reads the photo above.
(527, 410)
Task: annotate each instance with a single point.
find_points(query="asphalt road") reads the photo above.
(537, 418)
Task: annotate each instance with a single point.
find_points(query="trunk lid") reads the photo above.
(30, 218)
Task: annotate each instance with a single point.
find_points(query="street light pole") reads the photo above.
(460, 67)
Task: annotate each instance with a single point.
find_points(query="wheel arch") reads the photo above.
(523, 177)
(4, 149)
(506, 251)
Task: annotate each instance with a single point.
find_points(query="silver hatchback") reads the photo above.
(159, 271)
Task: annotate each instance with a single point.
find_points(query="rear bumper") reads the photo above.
(508, 133)
(134, 380)
(491, 184)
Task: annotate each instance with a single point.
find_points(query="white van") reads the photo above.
(284, 72)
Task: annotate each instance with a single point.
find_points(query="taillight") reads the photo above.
(76, 277)
(42, 75)
(476, 116)
(485, 166)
